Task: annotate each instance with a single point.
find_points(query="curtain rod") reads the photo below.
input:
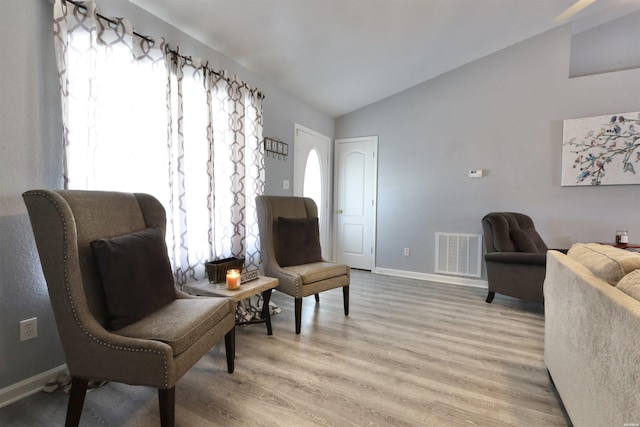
(109, 20)
(150, 40)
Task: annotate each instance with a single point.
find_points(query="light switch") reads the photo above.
(476, 173)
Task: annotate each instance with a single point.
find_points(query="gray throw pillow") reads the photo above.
(136, 275)
(298, 241)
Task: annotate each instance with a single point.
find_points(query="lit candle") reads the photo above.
(233, 278)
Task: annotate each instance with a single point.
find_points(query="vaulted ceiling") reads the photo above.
(340, 55)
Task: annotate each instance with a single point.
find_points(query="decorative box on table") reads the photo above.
(248, 276)
(217, 270)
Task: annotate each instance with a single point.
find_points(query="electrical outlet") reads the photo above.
(28, 329)
(407, 252)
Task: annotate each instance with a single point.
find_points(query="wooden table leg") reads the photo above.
(266, 313)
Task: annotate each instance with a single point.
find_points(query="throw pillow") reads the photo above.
(136, 275)
(298, 241)
(522, 241)
(609, 263)
(630, 284)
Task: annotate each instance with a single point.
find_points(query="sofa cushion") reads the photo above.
(630, 284)
(607, 262)
(318, 271)
(182, 322)
(136, 275)
(298, 241)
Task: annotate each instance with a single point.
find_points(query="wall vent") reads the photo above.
(459, 254)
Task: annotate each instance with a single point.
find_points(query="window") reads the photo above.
(313, 180)
(139, 117)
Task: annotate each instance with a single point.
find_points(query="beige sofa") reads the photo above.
(592, 333)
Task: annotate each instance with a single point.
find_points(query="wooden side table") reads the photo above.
(261, 284)
(623, 245)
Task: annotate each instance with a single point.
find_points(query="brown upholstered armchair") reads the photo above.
(515, 256)
(289, 241)
(114, 325)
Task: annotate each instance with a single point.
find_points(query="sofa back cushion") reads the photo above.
(511, 232)
(607, 262)
(523, 241)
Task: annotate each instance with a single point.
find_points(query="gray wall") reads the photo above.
(31, 157)
(502, 113)
(613, 46)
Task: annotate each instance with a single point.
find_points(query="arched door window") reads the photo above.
(312, 186)
(311, 178)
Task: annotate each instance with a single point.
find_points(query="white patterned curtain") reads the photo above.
(139, 117)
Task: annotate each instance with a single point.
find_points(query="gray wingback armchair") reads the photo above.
(306, 274)
(155, 350)
(515, 256)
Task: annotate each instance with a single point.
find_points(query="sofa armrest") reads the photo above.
(590, 344)
(516, 258)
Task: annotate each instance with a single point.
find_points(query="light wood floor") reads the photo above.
(411, 353)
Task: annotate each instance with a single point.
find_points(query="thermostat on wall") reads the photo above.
(476, 173)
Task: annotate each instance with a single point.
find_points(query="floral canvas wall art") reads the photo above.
(601, 150)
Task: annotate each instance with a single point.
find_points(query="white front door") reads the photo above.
(355, 201)
(311, 165)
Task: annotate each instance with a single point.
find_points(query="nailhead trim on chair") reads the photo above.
(73, 308)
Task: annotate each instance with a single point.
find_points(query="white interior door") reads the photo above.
(355, 201)
(311, 166)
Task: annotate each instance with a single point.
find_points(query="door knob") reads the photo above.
(339, 211)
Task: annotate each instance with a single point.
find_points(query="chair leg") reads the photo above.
(76, 401)
(298, 314)
(230, 349)
(167, 400)
(317, 297)
(490, 297)
(345, 298)
(266, 313)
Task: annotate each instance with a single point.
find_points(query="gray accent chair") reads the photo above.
(515, 256)
(155, 351)
(302, 280)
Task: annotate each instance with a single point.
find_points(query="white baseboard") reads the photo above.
(454, 280)
(29, 386)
